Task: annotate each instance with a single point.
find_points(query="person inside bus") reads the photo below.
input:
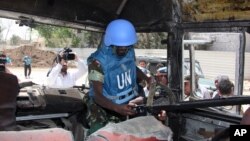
(9, 88)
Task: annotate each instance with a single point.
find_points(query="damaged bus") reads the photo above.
(213, 32)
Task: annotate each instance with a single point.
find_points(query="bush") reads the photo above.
(15, 40)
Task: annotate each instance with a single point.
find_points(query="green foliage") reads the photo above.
(92, 39)
(75, 41)
(58, 36)
(150, 40)
(15, 40)
(1, 30)
(67, 37)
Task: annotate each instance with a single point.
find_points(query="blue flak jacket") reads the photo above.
(119, 74)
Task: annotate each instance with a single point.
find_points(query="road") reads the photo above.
(38, 75)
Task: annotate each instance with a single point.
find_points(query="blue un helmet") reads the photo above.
(162, 71)
(120, 33)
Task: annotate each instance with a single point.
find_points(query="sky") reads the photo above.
(15, 29)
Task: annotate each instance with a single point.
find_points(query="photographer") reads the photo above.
(59, 77)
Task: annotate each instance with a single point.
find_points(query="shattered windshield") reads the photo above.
(217, 60)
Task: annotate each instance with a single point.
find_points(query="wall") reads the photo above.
(220, 63)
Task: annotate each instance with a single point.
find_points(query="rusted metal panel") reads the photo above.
(91, 13)
(215, 10)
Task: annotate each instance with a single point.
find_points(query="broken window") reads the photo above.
(214, 57)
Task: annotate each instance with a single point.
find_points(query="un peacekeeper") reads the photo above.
(161, 89)
(162, 95)
(113, 75)
(162, 80)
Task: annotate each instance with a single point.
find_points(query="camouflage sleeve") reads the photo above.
(95, 71)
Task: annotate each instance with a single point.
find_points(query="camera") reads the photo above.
(68, 54)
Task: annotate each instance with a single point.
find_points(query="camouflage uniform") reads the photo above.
(97, 116)
(160, 91)
(163, 95)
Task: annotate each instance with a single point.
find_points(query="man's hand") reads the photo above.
(126, 110)
(162, 116)
(76, 57)
(136, 101)
(63, 62)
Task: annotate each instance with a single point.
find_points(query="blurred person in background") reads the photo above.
(216, 83)
(142, 65)
(8, 59)
(27, 60)
(225, 88)
(200, 91)
(142, 85)
(187, 88)
(162, 75)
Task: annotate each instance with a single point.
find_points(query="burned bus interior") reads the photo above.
(205, 38)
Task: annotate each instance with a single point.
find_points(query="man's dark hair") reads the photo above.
(142, 61)
(159, 65)
(225, 87)
(188, 78)
(2, 68)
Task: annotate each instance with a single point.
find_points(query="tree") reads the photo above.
(15, 40)
(75, 41)
(92, 39)
(1, 30)
(10, 23)
(67, 37)
(151, 40)
(58, 36)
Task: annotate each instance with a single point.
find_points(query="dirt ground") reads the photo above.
(38, 75)
(41, 63)
(40, 58)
